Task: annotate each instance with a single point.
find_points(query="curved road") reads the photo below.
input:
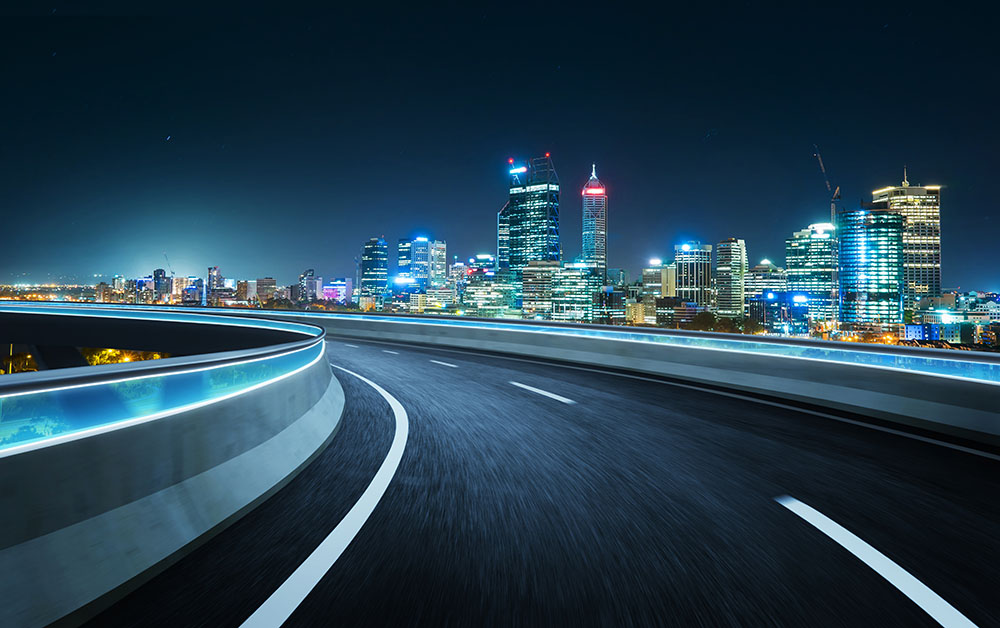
(611, 500)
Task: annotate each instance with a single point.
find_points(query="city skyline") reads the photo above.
(131, 152)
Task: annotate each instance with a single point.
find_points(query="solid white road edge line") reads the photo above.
(942, 612)
(283, 602)
(543, 392)
(454, 366)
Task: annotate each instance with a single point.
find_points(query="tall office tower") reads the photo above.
(161, 285)
(503, 236)
(404, 257)
(574, 289)
(730, 273)
(266, 288)
(532, 214)
(694, 272)
(763, 278)
(811, 269)
(302, 290)
(871, 266)
(536, 289)
(920, 206)
(438, 264)
(374, 272)
(215, 279)
(595, 224)
(420, 262)
(659, 279)
(242, 290)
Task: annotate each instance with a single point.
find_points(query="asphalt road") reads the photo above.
(639, 503)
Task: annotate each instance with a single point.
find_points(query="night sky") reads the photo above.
(267, 144)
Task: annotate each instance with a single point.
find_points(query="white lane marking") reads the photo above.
(351, 346)
(942, 612)
(734, 395)
(392, 352)
(283, 602)
(454, 366)
(543, 392)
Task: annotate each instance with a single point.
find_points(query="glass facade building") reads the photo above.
(374, 271)
(595, 224)
(531, 215)
(920, 207)
(574, 288)
(762, 278)
(694, 272)
(871, 266)
(811, 269)
(730, 273)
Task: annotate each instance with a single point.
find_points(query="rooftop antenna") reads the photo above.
(593, 171)
(905, 182)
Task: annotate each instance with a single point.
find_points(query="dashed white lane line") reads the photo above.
(543, 392)
(942, 612)
(454, 366)
(351, 346)
(392, 352)
(283, 602)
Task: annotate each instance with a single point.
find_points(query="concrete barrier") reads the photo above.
(84, 522)
(964, 408)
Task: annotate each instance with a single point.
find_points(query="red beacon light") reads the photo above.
(547, 155)
(593, 191)
(511, 161)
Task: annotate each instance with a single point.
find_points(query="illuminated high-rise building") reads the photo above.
(694, 272)
(659, 279)
(404, 257)
(374, 272)
(503, 235)
(920, 207)
(536, 289)
(595, 224)
(161, 285)
(438, 264)
(302, 289)
(811, 269)
(574, 289)
(266, 287)
(871, 266)
(531, 215)
(763, 278)
(730, 273)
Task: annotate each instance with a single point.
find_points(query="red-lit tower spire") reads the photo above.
(595, 224)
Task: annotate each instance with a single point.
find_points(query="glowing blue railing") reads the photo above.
(51, 412)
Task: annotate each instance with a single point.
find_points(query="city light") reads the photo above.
(519, 170)
(655, 261)
(593, 191)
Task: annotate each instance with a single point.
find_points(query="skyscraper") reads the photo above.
(439, 264)
(920, 207)
(595, 224)
(811, 269)
(532, 214)
(302, 290)
(536, 289)
(871, 266)
(161, 285)
(574, 288)
(374, 272)
(730, 272)
(404, 257)
(503, 235)
(762, 278)
(694, 272)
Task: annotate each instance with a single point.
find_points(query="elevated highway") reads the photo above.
(479, 477)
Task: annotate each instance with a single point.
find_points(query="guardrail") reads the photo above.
(107, 473)
(949, 392)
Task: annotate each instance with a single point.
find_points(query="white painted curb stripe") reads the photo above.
(543, 392)
(942, 612)
(283, 602)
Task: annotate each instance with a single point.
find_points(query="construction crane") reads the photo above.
(171, 268)
(834, 193)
